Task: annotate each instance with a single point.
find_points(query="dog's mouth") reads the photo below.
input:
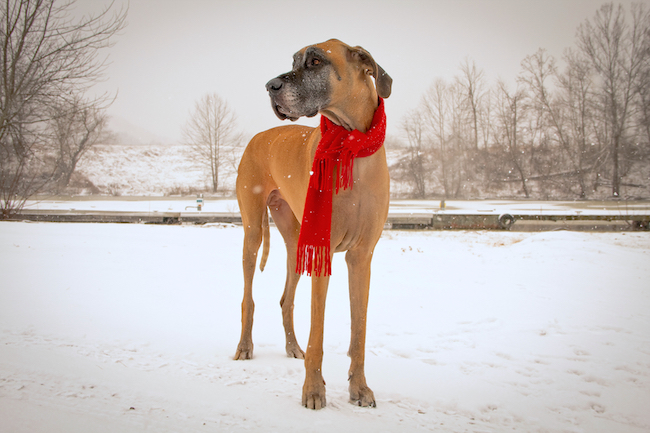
(281, 110)
(283, 113)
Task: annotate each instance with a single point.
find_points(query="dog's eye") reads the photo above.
(314, 62)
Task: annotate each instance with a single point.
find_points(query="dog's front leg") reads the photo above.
(313, 391)
(359, 281)
(252, 241)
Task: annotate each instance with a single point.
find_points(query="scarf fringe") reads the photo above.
(344, 167)
(314, 260)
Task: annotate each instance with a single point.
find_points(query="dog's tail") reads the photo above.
(266, 239)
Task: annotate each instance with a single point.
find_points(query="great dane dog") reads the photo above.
(344, 84)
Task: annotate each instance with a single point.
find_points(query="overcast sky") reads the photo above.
(172, 52)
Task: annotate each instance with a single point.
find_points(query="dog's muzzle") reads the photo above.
(284, 100)
(275, 87)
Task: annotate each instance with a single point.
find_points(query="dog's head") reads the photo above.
(326, 75)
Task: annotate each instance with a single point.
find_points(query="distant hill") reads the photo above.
(149, 170)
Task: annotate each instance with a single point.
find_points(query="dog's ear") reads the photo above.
(383, 81)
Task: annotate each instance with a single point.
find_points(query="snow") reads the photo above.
(130, 328)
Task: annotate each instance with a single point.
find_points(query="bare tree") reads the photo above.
(576, 105)
(462, 138)
(76, 126)
(416, 161)
(437, 109)
(486, 117)
(643, 84)
(509, 130)
(46, 57)
(556, 114)
(448, 124)
(210, 129)
(617, 52)
(471, 82)
(643, 90)
(22, 171)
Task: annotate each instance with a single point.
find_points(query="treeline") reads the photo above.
(48, 116)
(577, 131)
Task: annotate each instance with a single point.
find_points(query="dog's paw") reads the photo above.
(294, 351)
(243, 354)
(362, 396)
(313, 395)
(244, 351)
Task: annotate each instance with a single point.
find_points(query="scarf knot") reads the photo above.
(336, 152)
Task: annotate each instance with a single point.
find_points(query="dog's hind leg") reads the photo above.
(289, 228)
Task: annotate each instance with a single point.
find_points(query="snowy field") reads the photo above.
(132, 328)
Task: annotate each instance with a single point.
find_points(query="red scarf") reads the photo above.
(337, 149)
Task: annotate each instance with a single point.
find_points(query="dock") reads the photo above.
(403, 214)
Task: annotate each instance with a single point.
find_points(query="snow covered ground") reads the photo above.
(131, 328)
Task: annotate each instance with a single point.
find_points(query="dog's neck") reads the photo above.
(359, 118)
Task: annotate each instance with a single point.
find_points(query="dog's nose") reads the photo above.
(274, 85)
